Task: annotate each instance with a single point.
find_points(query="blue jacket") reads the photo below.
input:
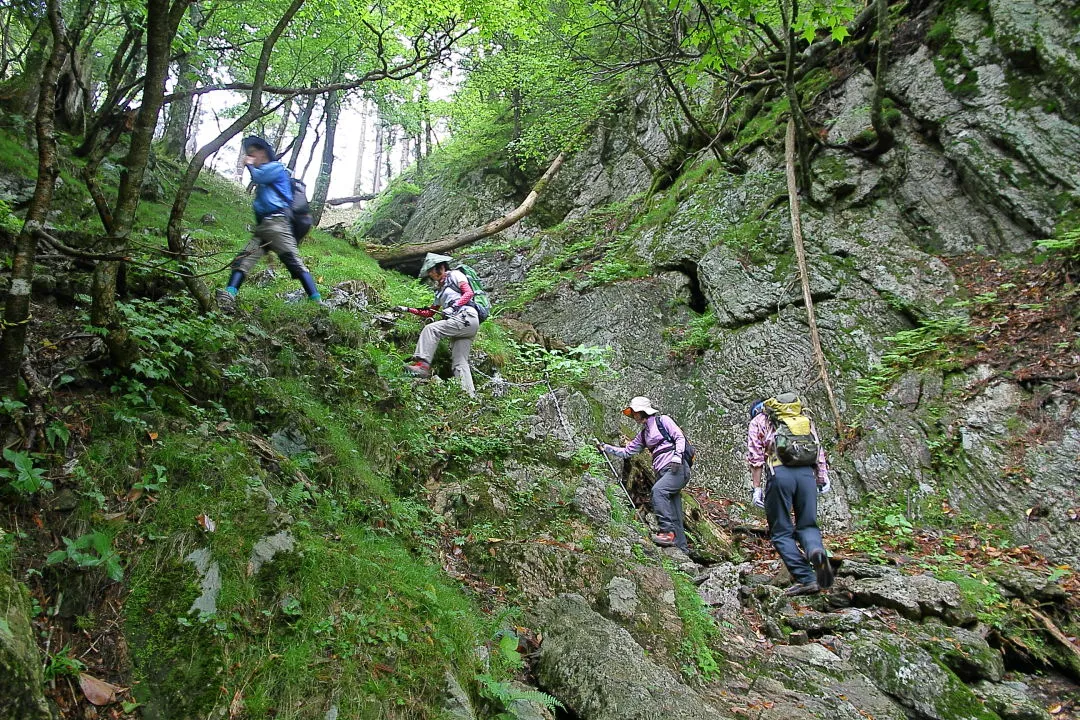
(273, 193)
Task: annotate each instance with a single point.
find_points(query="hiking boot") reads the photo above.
(807, 589)
(822, 568)
(419, 369)
(226, 301)
(664, 539)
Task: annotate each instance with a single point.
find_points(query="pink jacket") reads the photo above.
(760, 438)
(663, 454)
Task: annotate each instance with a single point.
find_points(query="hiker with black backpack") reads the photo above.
(783, 449)
(275, 218)
(672, 457)
(462, 304)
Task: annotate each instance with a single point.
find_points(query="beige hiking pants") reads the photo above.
(272, 234)
(460, 330)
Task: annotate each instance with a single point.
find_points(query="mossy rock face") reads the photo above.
(22, 695)
(808, 681)
(176, 666)
(909, 674)
(965, 652)
(598, 670)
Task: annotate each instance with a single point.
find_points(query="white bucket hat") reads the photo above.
(431, 260)
(641, 404)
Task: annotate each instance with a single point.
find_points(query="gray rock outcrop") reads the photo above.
(912, 677)
(600, 672)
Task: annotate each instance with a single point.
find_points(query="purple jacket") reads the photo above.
(663, 454)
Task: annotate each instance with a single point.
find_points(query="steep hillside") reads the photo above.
(951, 340)
(264, 517)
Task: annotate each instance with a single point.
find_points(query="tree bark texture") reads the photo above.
(358, 176)
(301, 131)
(326, 167)
(376, 180)
(395, 256)
(161, 26)
(17, 305)
(804, 272)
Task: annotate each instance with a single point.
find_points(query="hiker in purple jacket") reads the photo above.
(669, 462)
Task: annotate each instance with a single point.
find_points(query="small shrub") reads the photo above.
(93, 549)
(23, 477)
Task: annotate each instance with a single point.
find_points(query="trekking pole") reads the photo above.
(611, 467)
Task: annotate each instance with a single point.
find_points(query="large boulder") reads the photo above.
(22, 696)
(599, 671)
(911, 676)
(913, 596)
(1011, 700)
(809, 681)
(963, 651)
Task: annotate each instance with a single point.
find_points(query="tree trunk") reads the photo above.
(804, 272)
(178, 126)
(376, 180)
(175, 231)
(790, 43)
(238, 168)
(278, 140)
(424, 97)
(179, 120)
(162, 22)
(405, 142)
(326, 168)
(883, 133)
(301, 131)
(17, 306)
(315, 142)
(388, 153)
(407, 254)
(358, 177)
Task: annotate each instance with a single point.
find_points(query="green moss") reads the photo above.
(700, 631)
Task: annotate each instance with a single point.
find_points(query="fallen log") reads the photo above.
(352, 199)
(396, 256)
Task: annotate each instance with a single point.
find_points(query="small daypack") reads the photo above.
(795, 445)
(299, 209)
(480, 297)
(689, 454)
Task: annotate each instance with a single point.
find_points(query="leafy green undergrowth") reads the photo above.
(922, 346)
(190, 452)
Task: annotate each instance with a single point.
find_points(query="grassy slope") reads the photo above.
(361, 616)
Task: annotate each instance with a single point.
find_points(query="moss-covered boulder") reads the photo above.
(963, 651)
(910, 675)
(601, 673)
(21, 684)
(809, 681)
(1011, 701)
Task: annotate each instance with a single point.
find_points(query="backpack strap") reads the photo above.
(664, 431)
(288, 202)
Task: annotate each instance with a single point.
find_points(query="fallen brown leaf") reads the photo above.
(97, 691)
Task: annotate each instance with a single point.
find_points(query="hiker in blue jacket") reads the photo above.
(665, 439)
(272, 206)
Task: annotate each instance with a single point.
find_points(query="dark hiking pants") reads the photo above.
(667, 501)
(787, 488)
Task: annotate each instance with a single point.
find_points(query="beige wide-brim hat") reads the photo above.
(641, 404)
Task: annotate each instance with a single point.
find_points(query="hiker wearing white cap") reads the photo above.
(454, 301)
(671, 462)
